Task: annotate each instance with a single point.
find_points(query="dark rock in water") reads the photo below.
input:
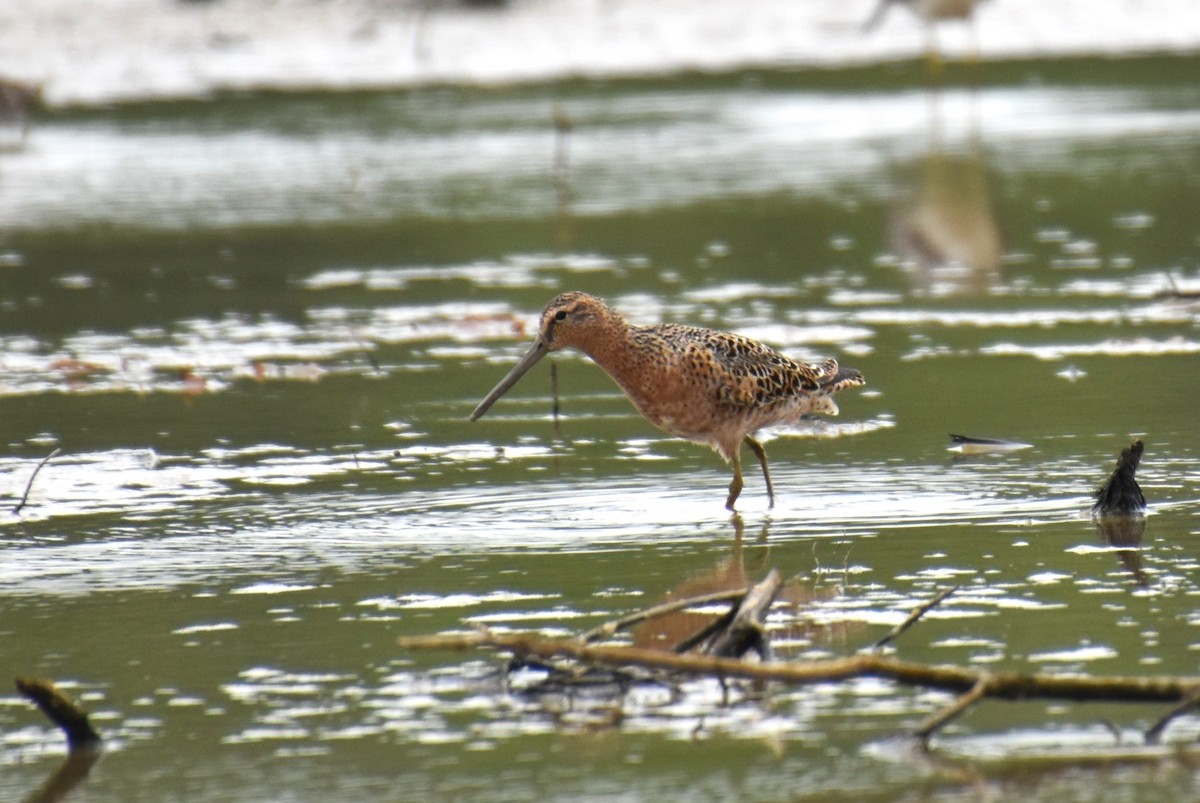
(1121, 494)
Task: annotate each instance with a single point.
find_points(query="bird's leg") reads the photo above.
(933, 55)
(761, 454)
(735, 487)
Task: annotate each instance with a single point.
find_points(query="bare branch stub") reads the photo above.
(1154, 732)
(747, 630)
(29, 485)
(1120, 493)
(953, 711)
(916, 614)
(62, 711)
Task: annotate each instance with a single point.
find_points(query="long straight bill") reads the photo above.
(535, 353)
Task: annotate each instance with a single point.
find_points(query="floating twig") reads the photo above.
(967, 445)
(32, 477)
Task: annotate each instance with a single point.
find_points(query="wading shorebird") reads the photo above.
(702, 385)
(930, 11)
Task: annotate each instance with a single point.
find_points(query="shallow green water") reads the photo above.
(255, 329)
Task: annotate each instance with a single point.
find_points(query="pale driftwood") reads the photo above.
(747, 628)
(972, 685)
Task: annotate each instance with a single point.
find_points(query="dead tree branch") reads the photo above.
(742, 629)
(953, 679)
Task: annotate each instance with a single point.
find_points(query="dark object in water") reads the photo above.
(1121, 493)
(965, 444)
(84, 745)
(62, 711)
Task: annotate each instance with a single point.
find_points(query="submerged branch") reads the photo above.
(742, 629)
(954, 679)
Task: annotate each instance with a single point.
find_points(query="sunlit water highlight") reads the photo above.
(623, 154)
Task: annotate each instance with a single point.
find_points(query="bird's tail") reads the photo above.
(833, 378)
(840, 377)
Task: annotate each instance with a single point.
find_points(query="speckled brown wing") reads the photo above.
(752, 375)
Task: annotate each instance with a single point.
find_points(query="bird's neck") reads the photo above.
(609, 344)
(626, 354)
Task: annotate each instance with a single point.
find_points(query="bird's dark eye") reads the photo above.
(561, 315)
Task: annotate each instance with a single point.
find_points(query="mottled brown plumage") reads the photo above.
(703, 385)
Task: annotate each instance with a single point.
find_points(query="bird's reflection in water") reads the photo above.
(796, 597)
(66, 777)
(944, 224)
(1125, 531)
